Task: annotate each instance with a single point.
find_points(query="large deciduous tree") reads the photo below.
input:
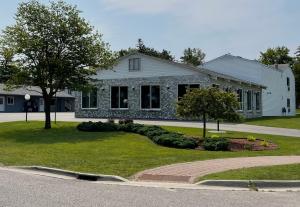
(193, 56)
(278, 55)
(207, 103)
(142, 48)
(53, 48)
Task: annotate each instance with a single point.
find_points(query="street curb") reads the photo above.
(76, 175)
(257, 185)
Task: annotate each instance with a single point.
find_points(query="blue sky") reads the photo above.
(239, 27)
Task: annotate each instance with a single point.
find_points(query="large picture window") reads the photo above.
(89, 99)
(150, 97)
(119, 97)
(184, 88)
(240, 98)
(249, 100)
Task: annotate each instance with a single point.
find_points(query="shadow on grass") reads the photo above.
(65, 134)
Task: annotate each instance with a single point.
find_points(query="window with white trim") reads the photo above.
(257, 101)
(249, 100)
(10, 100)
(134, 64)
(288, 104)
(89, 99)
(288, 83)
(150, 97)
(240, 98)
(119, 97)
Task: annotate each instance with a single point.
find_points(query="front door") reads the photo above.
(2, 102)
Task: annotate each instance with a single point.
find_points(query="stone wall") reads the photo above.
(168, 97)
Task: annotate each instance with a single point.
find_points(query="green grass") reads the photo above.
(292, 122)
(298, 111)
(279, 172)
(117, 153)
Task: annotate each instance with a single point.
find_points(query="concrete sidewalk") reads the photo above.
(7, 117)
(188, 172)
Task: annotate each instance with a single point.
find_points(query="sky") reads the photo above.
(240, 27)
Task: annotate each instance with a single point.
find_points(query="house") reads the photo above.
(145, 87)
(14, 101)
(278, 98)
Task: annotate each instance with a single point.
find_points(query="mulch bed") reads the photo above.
(241, 144)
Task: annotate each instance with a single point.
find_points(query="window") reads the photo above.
(249, 100)
(257, 101)
(183, 88)
(150, 97)
(240, 98)
(134, 64)
(10, 100)
(119, 97)
(288, 103)
(288, 83)
(89, 99)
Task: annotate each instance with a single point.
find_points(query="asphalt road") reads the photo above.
(19, 189)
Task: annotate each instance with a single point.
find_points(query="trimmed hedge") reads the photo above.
(216, 144)
(157, 134)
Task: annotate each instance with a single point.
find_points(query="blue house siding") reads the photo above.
(63, 104)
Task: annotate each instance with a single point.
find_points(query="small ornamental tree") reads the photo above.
(52, 47)
(224, 107)
(208, 102)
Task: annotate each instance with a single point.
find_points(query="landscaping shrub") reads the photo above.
(112, 121)
(97, 126)
(251, 138)
(220, 144)
(175, 140)
(157, 134)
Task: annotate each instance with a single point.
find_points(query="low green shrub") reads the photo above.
(264, 143)
(157, 134)
(220, 144)
(214, 136)
(251, 138)
(112, 121)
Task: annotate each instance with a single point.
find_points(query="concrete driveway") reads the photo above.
(8, 117)
(28, 190)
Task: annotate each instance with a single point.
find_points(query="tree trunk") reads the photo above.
(47, 110)
(218, 125)
(204, 125)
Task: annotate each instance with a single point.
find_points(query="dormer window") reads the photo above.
(134, 64)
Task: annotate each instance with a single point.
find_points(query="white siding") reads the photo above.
(274, 98)
(150, 67)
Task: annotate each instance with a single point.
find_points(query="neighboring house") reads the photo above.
(145, 87)
(278, 98)
(13, 100)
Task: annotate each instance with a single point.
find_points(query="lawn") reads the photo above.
(292, 122)
(279, 172)
(117, 153)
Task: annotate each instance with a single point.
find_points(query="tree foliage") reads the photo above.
(142, 48)
(193, 56)
(208, 103)
(278, 55)
(53, 48)
(7, 68)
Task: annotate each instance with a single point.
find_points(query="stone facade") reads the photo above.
(168, 96)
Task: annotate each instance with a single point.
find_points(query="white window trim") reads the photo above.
(139, 64)
(242, 100)
(119, 98)
(150, 109)
(93, 108)
(10, 104)
(259, 101)
(250, 110)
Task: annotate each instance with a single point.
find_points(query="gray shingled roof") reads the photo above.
(32, 91)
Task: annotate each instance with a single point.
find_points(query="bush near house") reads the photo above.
(157, 134)
(216, 144)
